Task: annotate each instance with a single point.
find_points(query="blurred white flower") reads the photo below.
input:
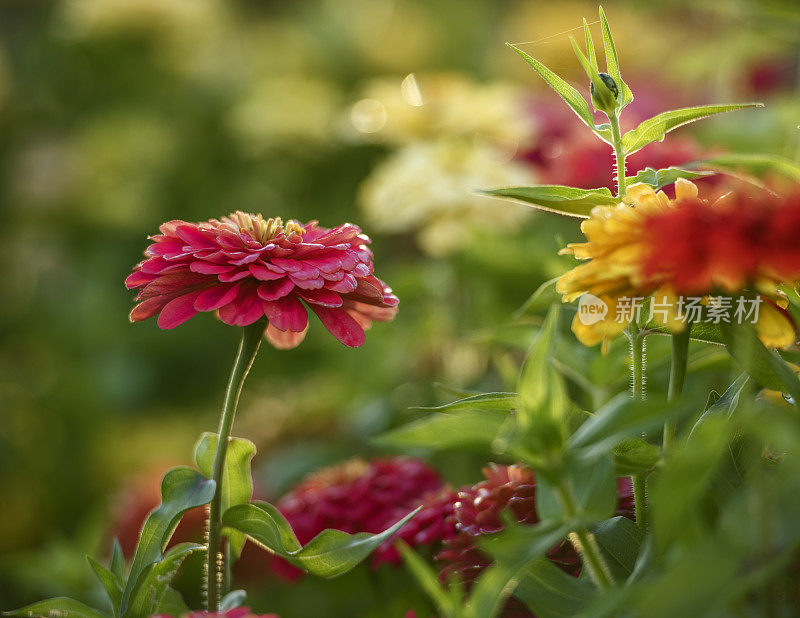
(430, 187)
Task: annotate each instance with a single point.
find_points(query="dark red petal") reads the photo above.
(265, 273)
(326, 298)
(341, 325)
(177, 311)
(273, 290)
(243, 311)
(216, 297)
(137, 279)
(209, 268)
(286, 313)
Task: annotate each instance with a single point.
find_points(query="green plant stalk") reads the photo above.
(584, 542)
(619, 154)
(639, 481)
(248, 348)
(677, 375)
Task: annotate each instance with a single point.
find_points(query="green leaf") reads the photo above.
(490, 591)
(172, 603)
(571, 96)
(153, 582)
(544, 296)
(590, 46)
(725, 404)
(519, 545)
(593, 485)
(700, 331)
(591, 72)
(469, 428)
(446, 601)
(753, 163)
(619, 539)
(483, 401)
(634, 455)
(232, 600)
(621, 418)
(60, 607)
(329, 554)
(551, 593)
(559, 199)
(237, 479)
(663, 177)
(182, 488)
(117, 560)
(653, 129)
(111, 584)
(612, 61)
(765, 366)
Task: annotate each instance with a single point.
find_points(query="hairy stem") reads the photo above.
(639, 481)
(248, 348)
(619, 154)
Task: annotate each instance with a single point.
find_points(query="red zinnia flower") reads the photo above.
(245, 267)
(506, 488)
(361, 496)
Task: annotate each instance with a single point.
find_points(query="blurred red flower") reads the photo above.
(239, 612)
(245, 267)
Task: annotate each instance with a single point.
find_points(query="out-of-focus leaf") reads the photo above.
(619, 539)
(483, 401)
(172, 603)
(571, 96)
(117, 565)
(182, 488)
(551, 593)
(329, 554)
(490, 591)
(60, 607)
(519, 545)
(153, 582)
(592, 483)
(751, 162)
(725, 404)
(654, 129)
(634, 455)
(470, 428)
(544, 296)
(621, 418)
(562, 200)
(765, 366)
(237, 479)
(612, 62)
(447, 601)
(700, 331)
(232, 600)
(666, 176)
(109, 581)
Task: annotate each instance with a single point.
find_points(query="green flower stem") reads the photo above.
(585, 543)
(677, 375)
(248, 348)
(639, 481)
(619, 154)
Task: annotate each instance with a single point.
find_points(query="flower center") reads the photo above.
(262, 230)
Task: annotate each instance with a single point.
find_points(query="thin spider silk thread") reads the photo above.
(552, 36)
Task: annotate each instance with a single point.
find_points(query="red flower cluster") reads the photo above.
(739, 241)
(506, 488)
(360, 496)
(245, 267)
(239, 612)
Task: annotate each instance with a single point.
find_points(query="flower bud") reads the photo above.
(605, 97)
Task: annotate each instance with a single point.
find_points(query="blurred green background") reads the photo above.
(116, 115)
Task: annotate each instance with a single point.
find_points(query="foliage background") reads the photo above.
(116, 115)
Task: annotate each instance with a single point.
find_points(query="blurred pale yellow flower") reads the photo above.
(429, 187)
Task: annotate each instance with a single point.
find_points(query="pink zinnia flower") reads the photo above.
(245, 267)
(362, 496)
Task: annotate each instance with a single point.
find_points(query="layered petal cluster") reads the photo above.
(477, 512)
(651, 245)
(362, 496)
(246, 267)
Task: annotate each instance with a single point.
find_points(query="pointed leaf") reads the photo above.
(597, 84)
(753, 163)
(153, 582)
(109, 581)
(593, 485)
(590, 46)
(571, 96)
(489, 594)
(468, 428)
(117, 565)
(329, 554)
(612, 61)
(182, 488)
(237, 479)
(663, 177)
(172, 604)
(482, 401)
(725, 404)
(232, 600)
(428, 579)
(558, 199)
(619, 539)
(551, 593)
(60, 607)
(654, 129)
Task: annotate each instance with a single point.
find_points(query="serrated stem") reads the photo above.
(248, 348)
